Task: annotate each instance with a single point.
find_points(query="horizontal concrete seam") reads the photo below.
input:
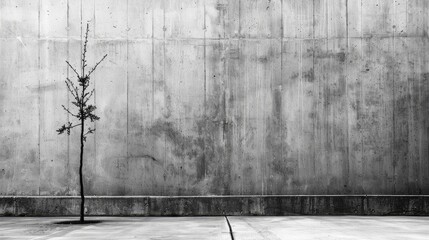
(215, 196)
(213, 39)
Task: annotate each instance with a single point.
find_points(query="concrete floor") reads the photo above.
(272, 228)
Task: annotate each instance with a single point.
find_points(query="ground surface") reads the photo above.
(272, 228)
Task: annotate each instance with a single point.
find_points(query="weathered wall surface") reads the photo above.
(230, 97)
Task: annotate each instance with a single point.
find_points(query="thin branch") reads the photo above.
(74, 70)
(77, 104)
(89, 109)
(75, 125)
(84, 50)
(72, 89)
(92, 117)
(67, 110)
(96, 65)
(88, 96)
(64, 128)
(90, 130)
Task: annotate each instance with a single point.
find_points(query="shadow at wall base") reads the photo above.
(216, 205)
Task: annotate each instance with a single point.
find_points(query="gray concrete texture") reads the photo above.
(201, 228)
(229, 97)
(288, 205)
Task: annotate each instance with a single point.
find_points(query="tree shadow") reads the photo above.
(77, 222)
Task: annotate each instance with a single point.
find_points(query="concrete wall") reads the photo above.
(230, 97)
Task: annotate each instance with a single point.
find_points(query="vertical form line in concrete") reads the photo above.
(95, 100)
(127, 93)
(327, 22)
(68, 94)
(81, 35)
(239, 21)
(258, 111)
(347, 24)
(246, 120)
(38, 92)
(347, 97)
(411, 116)
(281, 20)
(94, 17)
(358, 115)
(424, 88)
(301, 39)
(326, 108)
(262, 99)
(152, 145)
(81, 184)
(205, 91)
(153, 65)
(361, 99)
(406, 17)
(394, 106)
(237, 136)
(420, 97)
(410, 91)
(314, 90)
(280, 121)
(127, 69)
(319, 91)
(281, 88)
(164, 28)
(226, 139)
(419, 117)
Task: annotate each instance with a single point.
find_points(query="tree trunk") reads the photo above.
(82, 196)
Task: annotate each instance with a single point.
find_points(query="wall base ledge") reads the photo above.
(265, 205)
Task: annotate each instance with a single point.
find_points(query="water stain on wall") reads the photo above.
(240, 98)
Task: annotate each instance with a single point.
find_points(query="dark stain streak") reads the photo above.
(263, 59)
(225, 121)
(277, 104)
(44, 87)
(309, 75)
(268, 4)
(32, 158)
(233, 53)
(185, 147)
(295, 76)
(341, 56)
(142, 157)
(277, 147)
(167, 111)
(221, 7)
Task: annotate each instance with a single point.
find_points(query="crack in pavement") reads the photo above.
(262, 231)
(230, 228)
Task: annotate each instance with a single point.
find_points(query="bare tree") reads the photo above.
(81, 95)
